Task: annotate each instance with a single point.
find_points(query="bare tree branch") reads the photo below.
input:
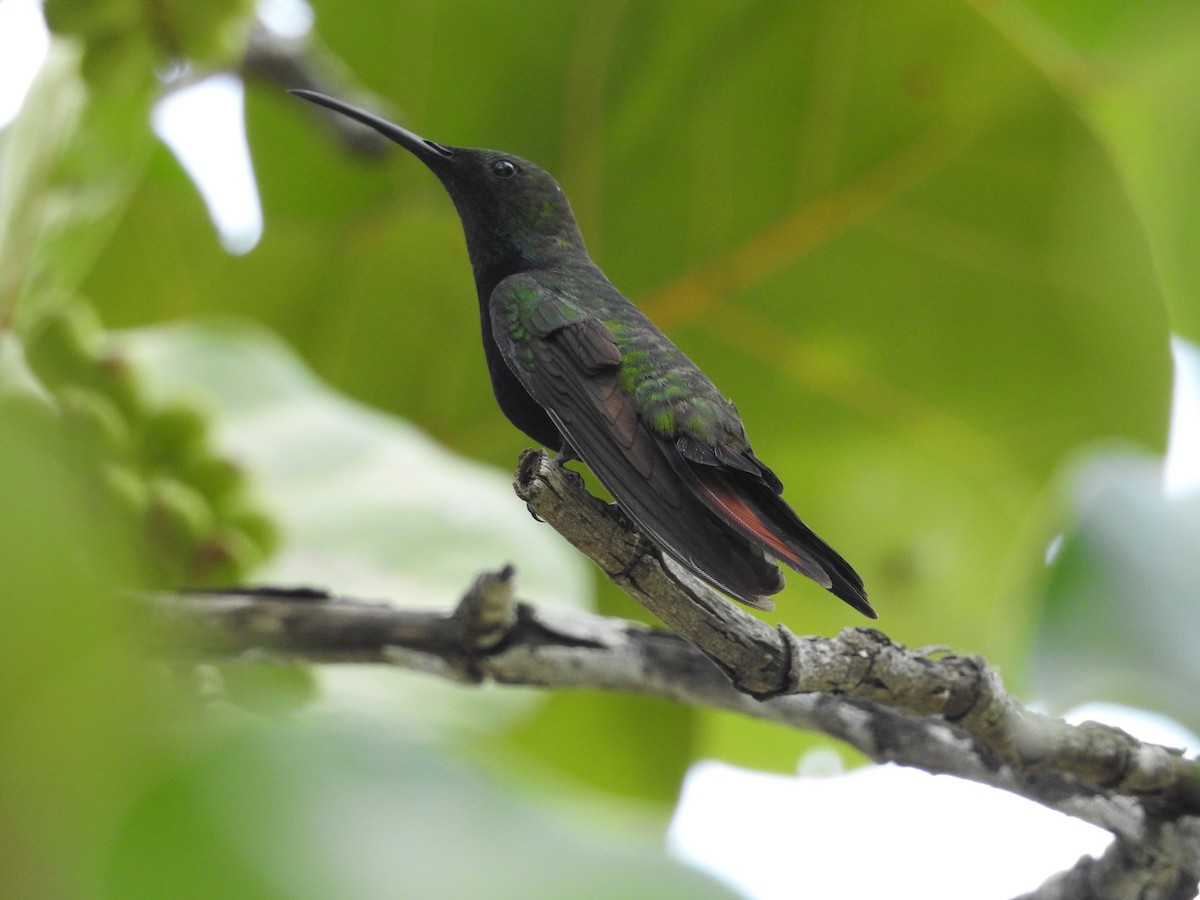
(490, 636)
(1124, 870)
(765, 661)
(945, 714)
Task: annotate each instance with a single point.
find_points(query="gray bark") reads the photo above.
(932, 710)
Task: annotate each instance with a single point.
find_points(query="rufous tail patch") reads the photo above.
(741, 512)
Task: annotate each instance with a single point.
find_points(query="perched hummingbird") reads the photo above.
(582, 371)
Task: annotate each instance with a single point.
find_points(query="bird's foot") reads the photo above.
(622, 519)
(565, 455)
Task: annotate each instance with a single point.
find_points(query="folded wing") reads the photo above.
(714, 509)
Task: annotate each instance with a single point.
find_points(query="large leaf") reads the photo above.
(1133, 69)
(888, 232)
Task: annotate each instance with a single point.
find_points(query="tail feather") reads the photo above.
(759, 514)
(660, 498)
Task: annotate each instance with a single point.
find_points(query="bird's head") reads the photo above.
(513, 211)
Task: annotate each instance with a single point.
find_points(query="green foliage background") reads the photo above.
(934, 251)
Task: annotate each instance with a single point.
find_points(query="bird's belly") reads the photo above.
(521, 409)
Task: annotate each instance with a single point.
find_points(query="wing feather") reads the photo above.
(706, 500)
(757, 511)
(572, 373)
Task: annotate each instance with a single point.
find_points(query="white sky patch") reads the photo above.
(204, 126)
(880, 831)
(286, 18)
(23, 44)
(1183, 447)
(884, 831)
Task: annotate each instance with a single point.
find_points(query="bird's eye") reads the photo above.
(504, 168)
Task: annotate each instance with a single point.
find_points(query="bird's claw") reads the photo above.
(560, 460)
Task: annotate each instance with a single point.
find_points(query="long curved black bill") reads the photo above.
(414, 143)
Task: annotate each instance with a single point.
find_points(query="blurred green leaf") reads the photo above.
(71, 161)
(366, 506)
(1122, 601)
(75, 713)
(344, 808)
(1132, 69)
(638, 747)
(771, 748)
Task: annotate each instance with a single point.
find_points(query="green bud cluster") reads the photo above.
(125, 39)
(193, 507)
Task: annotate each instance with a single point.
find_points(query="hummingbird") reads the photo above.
(580, 369)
